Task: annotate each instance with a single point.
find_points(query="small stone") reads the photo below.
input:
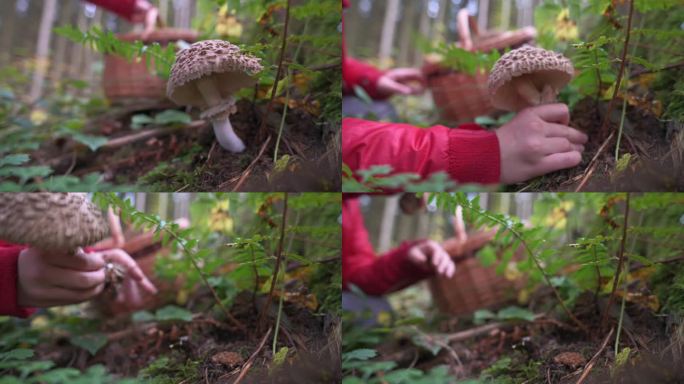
(230, 359)
(571, 359)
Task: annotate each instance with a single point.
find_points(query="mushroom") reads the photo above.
(55, 223)
(528, 76)
(206, 75)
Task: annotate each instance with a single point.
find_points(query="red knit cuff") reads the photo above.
(366, 76)
(474, 156)
(8, 283)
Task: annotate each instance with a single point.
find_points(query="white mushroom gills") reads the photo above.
(222, 127)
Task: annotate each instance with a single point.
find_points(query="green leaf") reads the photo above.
(515, 313)
(17, 354)
(482, 315)
(91, 343)
(280, 356)
(172, 312)
(172, 117)
(92, 142)
(17, 159)
(140, 120)
(359, 354)
(26, 173)
(142, 316)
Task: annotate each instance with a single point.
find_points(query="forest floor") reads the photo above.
(656, 161)
(547, 350)
(209, 350)
(188, 158)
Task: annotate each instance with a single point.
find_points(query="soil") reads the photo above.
(656, 158)
(209, 350)
(189, 158)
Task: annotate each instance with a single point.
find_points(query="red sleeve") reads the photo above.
(9, 254)
(468, 154)
(374, 275)
(123, 8)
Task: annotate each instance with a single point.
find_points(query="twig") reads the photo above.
(248, 170)
(592, 362)
(280, 129)
(250, 361)
(481, 330)
(623, 60)
(621, 261)
(138, 136)
(592, 163)
(280, 69)
(279, 254)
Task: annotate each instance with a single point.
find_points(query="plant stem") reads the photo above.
(622, 314)
(623, 60)
(621, 262)
(537, 263)
(280, 69)
(280, 311)
(279, 255)
(282, 124)
(617, 145)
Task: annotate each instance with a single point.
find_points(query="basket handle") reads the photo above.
(467, 29)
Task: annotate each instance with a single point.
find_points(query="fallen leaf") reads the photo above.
(571, 359)
(230, 359)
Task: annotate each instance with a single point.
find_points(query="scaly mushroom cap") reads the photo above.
(56, 222)
(537, 65)
(231, 68)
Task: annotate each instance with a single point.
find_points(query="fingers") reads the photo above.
(558, 130)
(74, 280)
(558, 161)
(133, 269)
(79, 261)
(49, 296)
(559, 145)
(553, 113)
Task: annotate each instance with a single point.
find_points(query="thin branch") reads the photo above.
(621, 261)
(547, 279)
(250, 361)
(592, 362)
(280, 69)
(623, 60)
(279, 256)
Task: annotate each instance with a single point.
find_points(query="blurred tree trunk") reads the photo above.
(406, 36)
(140, 199)
(483, 15)
(91, 55)
(61, 42)
(423, 29)
(505, 15)
(77, 51)
(164, 11)
(42, 50)
(7, 31)
(388, 28)
(389, 214)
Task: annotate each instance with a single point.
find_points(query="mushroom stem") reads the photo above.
(222, 128)
(226, 136)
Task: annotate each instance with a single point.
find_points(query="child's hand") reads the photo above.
(538, 141)
(403, 81)
(147, 14)
(49, 280)
(135, 286)
(431, 255)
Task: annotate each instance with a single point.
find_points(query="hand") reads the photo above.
(538, 141)
(147, 14)
(431, 255)
(135, 286)
(403, 81)
(48, 280)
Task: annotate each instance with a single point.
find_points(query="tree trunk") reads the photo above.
(42, 50)
(506, 15)
(7, 31)
(164, 11)
(424, 30)
(405, 37)
(483, 15)
(389, 214)
(91, 55)
(77, 51)
(61, 42)
(389, 26)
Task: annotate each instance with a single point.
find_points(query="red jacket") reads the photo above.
(468, 154)
(123, 8)
(373, 274)
(357, 73)
(9, 253)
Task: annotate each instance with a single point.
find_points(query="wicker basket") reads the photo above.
(462, 97)
(474, 286)
(127, 82)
